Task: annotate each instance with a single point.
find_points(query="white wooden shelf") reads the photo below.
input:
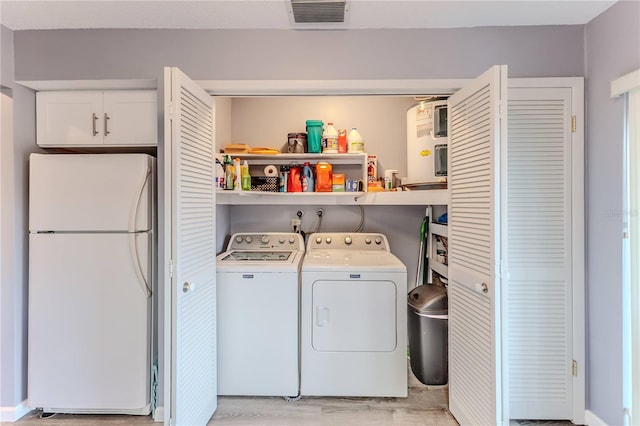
(439, 229)
(286, 158)
(438, 267)
(398, 198)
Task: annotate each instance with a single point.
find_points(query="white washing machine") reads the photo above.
(258, 314)
(353, 317)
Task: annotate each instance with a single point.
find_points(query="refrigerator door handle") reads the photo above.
(134, 212)
(133, 247)
(133, 241)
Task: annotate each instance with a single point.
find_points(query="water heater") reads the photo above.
(427, 142)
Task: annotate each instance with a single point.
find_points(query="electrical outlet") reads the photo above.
(295, 225)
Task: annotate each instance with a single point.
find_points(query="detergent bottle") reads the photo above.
(295, 183)
(324, 182)
(308, 184)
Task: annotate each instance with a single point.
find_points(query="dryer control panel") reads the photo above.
(266, 240)
(348, 241)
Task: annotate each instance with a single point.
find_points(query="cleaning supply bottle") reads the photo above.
(236, 179)
(355, 142)
(219, 175)
(308, 184)
(284, 177)
(330, 140)
(229, 173)
(342, 141)
(246, 177)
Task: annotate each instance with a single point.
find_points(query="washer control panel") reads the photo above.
(347, 241)
(266, 240)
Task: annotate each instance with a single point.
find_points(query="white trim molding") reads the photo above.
(592, 420)
(627, 82)
(331, 87)
(12, 414)
(158, 414)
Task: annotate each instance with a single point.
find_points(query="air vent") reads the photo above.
(306, 12)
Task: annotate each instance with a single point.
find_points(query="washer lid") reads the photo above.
(259, 260)
(337, 260)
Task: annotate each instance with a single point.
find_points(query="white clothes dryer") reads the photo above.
(353, 317)
(258, 285)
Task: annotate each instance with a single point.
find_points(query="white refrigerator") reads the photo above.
(91, 247)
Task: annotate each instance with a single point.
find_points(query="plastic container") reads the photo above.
(355, 143)
(308, 183)
(295, 181)
(237, 182)
(219, 175)
(314, 136)
(245, 177)
(330, 140)
(324, 177)
(229, 173)
(296, 143)
(342, 141)
(428, 336)
(284, 177)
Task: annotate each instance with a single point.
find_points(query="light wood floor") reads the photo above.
(424, 406)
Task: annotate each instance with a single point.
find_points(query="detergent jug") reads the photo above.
(324, 177)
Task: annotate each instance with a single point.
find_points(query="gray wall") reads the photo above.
(282, 54)
(6, 58)
(381, 120)
(613, 49)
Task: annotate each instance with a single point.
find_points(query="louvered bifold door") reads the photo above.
(475, 137)
(193, 359)
(539, 251)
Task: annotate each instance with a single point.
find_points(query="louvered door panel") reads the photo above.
(539, 251)
(474, 241)
(194, 379)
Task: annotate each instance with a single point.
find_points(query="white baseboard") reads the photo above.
(158, 414)
(12, 414)
(591, 419)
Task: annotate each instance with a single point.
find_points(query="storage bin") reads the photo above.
(428, 334)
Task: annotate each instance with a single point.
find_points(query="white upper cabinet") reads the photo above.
(97, 118)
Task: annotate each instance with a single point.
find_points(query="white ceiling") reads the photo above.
(273, 14)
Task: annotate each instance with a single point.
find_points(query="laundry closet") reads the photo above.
(505, 194)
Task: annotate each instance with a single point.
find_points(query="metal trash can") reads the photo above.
(428, 335)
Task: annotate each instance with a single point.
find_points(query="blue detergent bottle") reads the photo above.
(307, 178)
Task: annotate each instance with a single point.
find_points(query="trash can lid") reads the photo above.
(428, 297)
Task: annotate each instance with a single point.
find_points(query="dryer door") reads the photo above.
(354, 316)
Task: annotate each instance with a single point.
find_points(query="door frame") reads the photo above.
(445, 87)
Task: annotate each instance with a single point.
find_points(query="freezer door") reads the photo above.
(89, 324)
(90, 192)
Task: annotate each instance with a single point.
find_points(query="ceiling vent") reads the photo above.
(318, 13)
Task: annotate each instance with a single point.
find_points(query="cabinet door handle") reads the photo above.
(94, 120)
(106, 127)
